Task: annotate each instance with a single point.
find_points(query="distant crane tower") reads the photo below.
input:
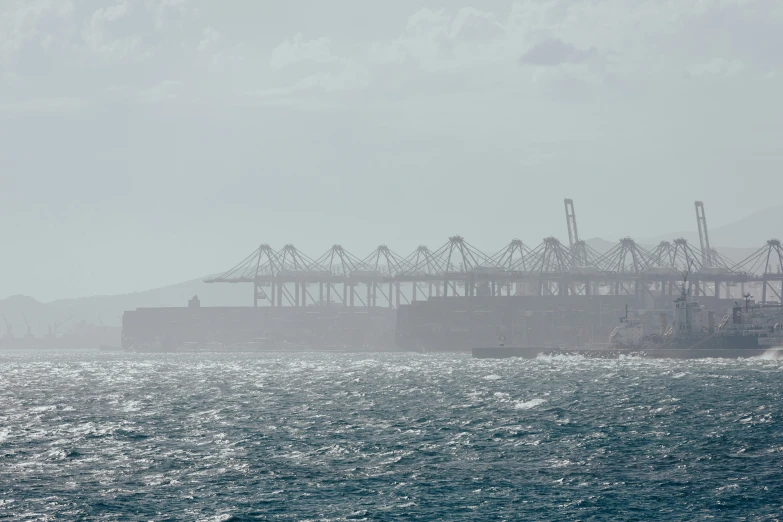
(9, 328)
(704, 237)
(578, 252)
(55, 326)
(573, 233)
(29, 329)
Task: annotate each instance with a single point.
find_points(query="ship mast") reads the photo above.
(682, 313)
(685, 280)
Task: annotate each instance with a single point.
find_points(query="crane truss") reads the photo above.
(286, 277)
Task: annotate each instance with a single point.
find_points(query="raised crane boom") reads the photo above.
(9, 328)
(29, 330)
(577, 247)
(704, 237)
(573, 233)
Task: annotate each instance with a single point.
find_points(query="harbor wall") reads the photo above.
(311, 326)
(462, 323)
(438, 324)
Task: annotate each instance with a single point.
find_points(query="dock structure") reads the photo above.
(457, 296)
(383, 278)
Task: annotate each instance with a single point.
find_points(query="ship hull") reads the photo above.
(703, 353)
(716, 342)
(530, 352)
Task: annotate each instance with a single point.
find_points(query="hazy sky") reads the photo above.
(153, 141)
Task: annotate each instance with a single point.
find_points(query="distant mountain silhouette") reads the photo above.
(600, 245)
(736, 255)
(20, 310)
(749, 232)
(109, 308)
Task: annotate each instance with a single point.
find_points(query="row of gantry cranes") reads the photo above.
(288, 277)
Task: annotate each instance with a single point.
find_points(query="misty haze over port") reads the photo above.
(21, 310)
(147, 144)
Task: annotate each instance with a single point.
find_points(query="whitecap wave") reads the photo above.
(773, 354)
(526, 405)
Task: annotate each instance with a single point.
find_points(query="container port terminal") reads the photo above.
(455, 297)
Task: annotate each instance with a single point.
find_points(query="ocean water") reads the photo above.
(97, 436)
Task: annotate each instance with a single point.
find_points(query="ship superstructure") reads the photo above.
(630, 333)
(747, 329)
(763, 322)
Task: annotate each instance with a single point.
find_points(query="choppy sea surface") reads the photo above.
(100, 436)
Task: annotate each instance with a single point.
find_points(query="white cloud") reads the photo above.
(440, 41)
(164, 10)
(298, 50)
(345, 79)
(21, 22)
(213, 44)
(210, 38)
(582, 42)
(588, 45)
(555, 52)
(111, 13)
(99, 37)
(310, 67)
